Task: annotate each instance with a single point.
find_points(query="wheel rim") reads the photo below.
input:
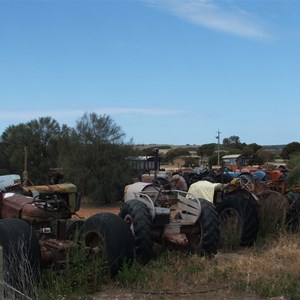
(196, 237)
(128, 220)
(95, 242)
(274, 206)
(246, 183)
(231, 228)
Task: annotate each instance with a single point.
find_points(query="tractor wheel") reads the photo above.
(239, 219)
(108, 235)
(204, 237)
(21, 254)
(73, 229)
(293, 213)
(246, 181)
(137, 216)
(273, 212)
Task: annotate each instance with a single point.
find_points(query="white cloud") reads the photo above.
(219, 16)
(138, 111)
(69, 117)
(25, 116)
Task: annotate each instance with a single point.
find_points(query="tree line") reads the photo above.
(208, 153)
(93, 155)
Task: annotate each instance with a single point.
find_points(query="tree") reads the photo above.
(173, 153)
(14, 139)
(146, 151)
(263, 156)
(206, 150)
(213, 160)
(294, 165)
(43, 148)
(4, 159)
(290, 149)
(39, 138)
(250, 152)
(97, 158)
(92, 128)
(232, 142)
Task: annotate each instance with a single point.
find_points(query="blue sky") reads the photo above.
(166, 71)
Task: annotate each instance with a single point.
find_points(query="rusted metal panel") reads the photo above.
(61, 230)
(13, 204)
(51, 189)
(55, 252)
(35, 215)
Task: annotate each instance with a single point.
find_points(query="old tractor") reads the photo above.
(158, 214)
(248, 204)
(36, 227)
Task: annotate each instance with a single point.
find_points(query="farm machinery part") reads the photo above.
(46, 209)
(247, 205)
(37, 219)
(237, 210)
(155, 214)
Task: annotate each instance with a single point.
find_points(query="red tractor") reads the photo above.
(36, 230)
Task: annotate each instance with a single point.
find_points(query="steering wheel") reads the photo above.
(42, 204)
(161, 183)
(246, 181)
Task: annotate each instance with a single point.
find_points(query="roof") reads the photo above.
(140, 157)
(231, 156)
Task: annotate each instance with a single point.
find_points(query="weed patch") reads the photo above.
(80, 277)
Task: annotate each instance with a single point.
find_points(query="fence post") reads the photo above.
(1, 274)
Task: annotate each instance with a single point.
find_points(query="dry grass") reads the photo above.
(267, 271)
(20, 279)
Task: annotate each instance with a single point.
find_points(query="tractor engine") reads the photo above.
(41, 205)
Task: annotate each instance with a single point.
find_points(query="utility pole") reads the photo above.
(156, 161)
(25, 172)
(218, 138)
(26, 180)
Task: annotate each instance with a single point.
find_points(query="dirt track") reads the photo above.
(88, 210)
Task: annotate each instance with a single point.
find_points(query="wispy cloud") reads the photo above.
(217, 15)
(24, 116)
(139, 111)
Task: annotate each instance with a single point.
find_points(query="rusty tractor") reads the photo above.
(36, 226)
(248, 204)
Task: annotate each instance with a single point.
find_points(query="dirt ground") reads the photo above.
(88, 210)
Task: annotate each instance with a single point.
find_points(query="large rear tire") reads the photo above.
(205, 236)
(21, 255)
(273, 212)
(293, 214)
(239, 207)
(137, 216)
(109, 234)
(73, 229)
